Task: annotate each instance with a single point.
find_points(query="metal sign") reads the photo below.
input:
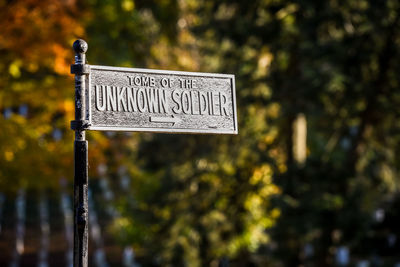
(129, 99)
(125, 99)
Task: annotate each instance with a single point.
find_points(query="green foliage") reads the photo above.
(337, 64)
(249, 199)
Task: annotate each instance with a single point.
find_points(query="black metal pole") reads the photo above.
(80, 158)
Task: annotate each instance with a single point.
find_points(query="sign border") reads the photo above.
(161, 130)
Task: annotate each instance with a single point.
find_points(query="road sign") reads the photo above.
(145, 100)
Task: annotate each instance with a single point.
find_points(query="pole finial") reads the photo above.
(80, 46)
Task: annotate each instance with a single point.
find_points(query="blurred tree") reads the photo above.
(335, 62)
(36, 98)
(201, 199)
(314, 166)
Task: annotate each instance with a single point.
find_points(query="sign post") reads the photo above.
(142, 100)
(80, 158)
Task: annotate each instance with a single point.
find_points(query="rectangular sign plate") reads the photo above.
(145, 100)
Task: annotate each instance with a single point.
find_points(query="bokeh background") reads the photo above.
(312, 179)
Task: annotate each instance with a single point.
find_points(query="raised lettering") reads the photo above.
(121, 99)
(132, 101)
(209, 95)
(152, 82)
(224, 104)
(101, 107)
(185, 100)
(152, 102)
(136, 80)
(164, 82)
(111, 98)
(163, 101)
(145, 81)
(202, 102)
(175, 97)
(192, 94)
(141, 100)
